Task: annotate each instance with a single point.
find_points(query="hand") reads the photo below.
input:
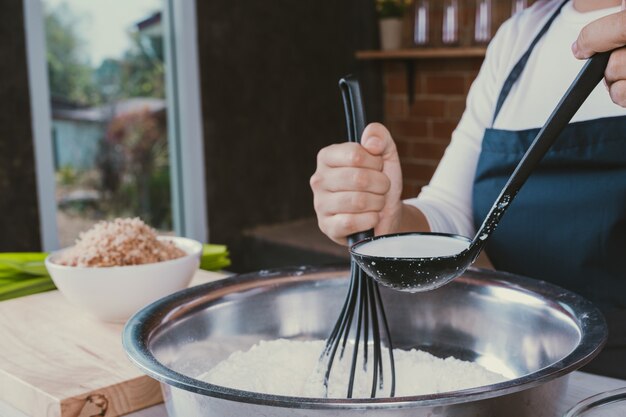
(358, 187)
(603, 35)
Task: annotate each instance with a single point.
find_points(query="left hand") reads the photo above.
(602, 35)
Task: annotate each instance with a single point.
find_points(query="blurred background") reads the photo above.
(204, 118)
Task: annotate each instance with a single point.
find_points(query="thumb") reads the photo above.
(601, 35)
(377, 140)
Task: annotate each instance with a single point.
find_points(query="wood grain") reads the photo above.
(56, 361)
(424, 53)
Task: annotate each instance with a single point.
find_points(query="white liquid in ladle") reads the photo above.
(413, 246)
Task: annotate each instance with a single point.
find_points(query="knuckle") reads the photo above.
(315, 181)
(354, 157)
(346, 224)
(323, 225)
(321, 156)
(328, 153)
(360, 179)
(359, 202)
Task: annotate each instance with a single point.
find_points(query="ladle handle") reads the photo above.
(355, 123)
(588, 78)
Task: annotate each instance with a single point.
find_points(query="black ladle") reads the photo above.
(424, 274)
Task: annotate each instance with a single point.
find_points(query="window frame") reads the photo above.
(184, 117)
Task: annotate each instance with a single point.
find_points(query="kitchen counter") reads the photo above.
(56, 360)
(76, 368)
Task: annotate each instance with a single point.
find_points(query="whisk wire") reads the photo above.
(354, 294)
(360, 324)
(332, 343)
(362, 313)
(365, 302)
(378, 363)
(338, 328)
(392, 362)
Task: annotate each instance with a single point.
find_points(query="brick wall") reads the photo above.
(422, 130)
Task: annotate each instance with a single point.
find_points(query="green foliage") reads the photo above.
(392, 8)
(140, 73)
(69, 75)
(160, 198)
(67, 175)
(137, 163)
(142, 69)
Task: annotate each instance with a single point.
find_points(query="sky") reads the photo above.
(104, 24)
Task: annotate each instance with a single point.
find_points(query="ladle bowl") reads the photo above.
(416, 274)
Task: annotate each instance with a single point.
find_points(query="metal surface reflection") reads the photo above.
(536, 337)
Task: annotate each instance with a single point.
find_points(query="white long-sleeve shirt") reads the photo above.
(447, 200)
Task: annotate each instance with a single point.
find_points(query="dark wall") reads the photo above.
(269, 73)
(19, 221)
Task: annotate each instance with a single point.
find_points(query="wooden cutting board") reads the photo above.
(57, 361)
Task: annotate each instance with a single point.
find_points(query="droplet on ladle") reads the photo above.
(406, 262)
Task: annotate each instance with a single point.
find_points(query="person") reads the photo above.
(568, 223)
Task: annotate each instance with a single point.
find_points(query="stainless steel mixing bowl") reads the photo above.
(605, 404)
(531, 331)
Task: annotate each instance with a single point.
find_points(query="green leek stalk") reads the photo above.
(23, 274)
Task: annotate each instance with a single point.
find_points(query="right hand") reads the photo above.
(358, 187)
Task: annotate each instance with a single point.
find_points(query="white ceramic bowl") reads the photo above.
(115, 293)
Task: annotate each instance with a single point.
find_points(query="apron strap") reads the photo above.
(521, 64)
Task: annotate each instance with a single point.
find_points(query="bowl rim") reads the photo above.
(147, 322)
(597, 400)
(196, 252)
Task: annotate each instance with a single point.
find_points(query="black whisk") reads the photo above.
(363, 313)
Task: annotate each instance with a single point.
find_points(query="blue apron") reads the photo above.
(568, 223)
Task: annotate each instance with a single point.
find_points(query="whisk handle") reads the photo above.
(353, 107)
(357, 237)
(355, 124)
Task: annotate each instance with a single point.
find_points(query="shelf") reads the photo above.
(424, 53)
(409, 56)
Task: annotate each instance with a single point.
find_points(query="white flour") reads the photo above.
(289, 367)
(413, 246)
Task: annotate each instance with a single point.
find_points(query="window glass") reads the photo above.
(106, 75)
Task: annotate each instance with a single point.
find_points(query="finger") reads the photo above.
(617, 90)
(616, 67)
(329, 204)
(348, 155)
(378, 141)
(355, 179)
(601, 35)
(340, 226)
